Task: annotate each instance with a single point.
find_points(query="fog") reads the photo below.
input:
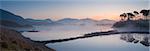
(63, 31)
(131, 28)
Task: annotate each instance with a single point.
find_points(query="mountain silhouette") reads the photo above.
(39, 22)
(9, 19)
(85, 21)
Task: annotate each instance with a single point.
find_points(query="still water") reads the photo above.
(100, 43)
(118, 42)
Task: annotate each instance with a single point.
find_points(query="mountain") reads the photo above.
(39, 22)
(69, 21)
(106, 22)
(86, 21)
(9, 19)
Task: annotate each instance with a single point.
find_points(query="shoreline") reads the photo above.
(93, 34)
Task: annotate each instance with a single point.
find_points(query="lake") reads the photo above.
(117, 42)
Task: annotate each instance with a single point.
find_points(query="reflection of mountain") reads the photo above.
(86, 21)
(9, 19)
(137, 38)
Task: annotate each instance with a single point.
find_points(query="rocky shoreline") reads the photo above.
(11, 40)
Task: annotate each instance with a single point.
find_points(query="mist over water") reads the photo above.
(118, 42)
(131, 28)
(63, 31)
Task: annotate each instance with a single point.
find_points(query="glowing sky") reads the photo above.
(58, 9)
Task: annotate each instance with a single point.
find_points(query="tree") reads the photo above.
(145, 13)
(123, 16)
(130, 16)
(136, 13)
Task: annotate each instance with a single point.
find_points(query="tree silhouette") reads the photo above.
(123, 16)
(130, 16)
(145, 13)
(136, 13)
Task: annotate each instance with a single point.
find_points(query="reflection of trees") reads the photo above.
(144, 39)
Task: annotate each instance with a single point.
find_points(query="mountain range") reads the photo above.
(9, 19)
(86, 21)
(39, 22)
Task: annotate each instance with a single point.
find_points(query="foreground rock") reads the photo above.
(11, 40)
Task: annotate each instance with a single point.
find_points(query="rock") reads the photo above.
(12, 40)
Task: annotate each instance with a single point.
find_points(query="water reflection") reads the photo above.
(73, 38)
(143, 39)
(102, 43)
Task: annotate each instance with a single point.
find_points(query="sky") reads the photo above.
(59, 9)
